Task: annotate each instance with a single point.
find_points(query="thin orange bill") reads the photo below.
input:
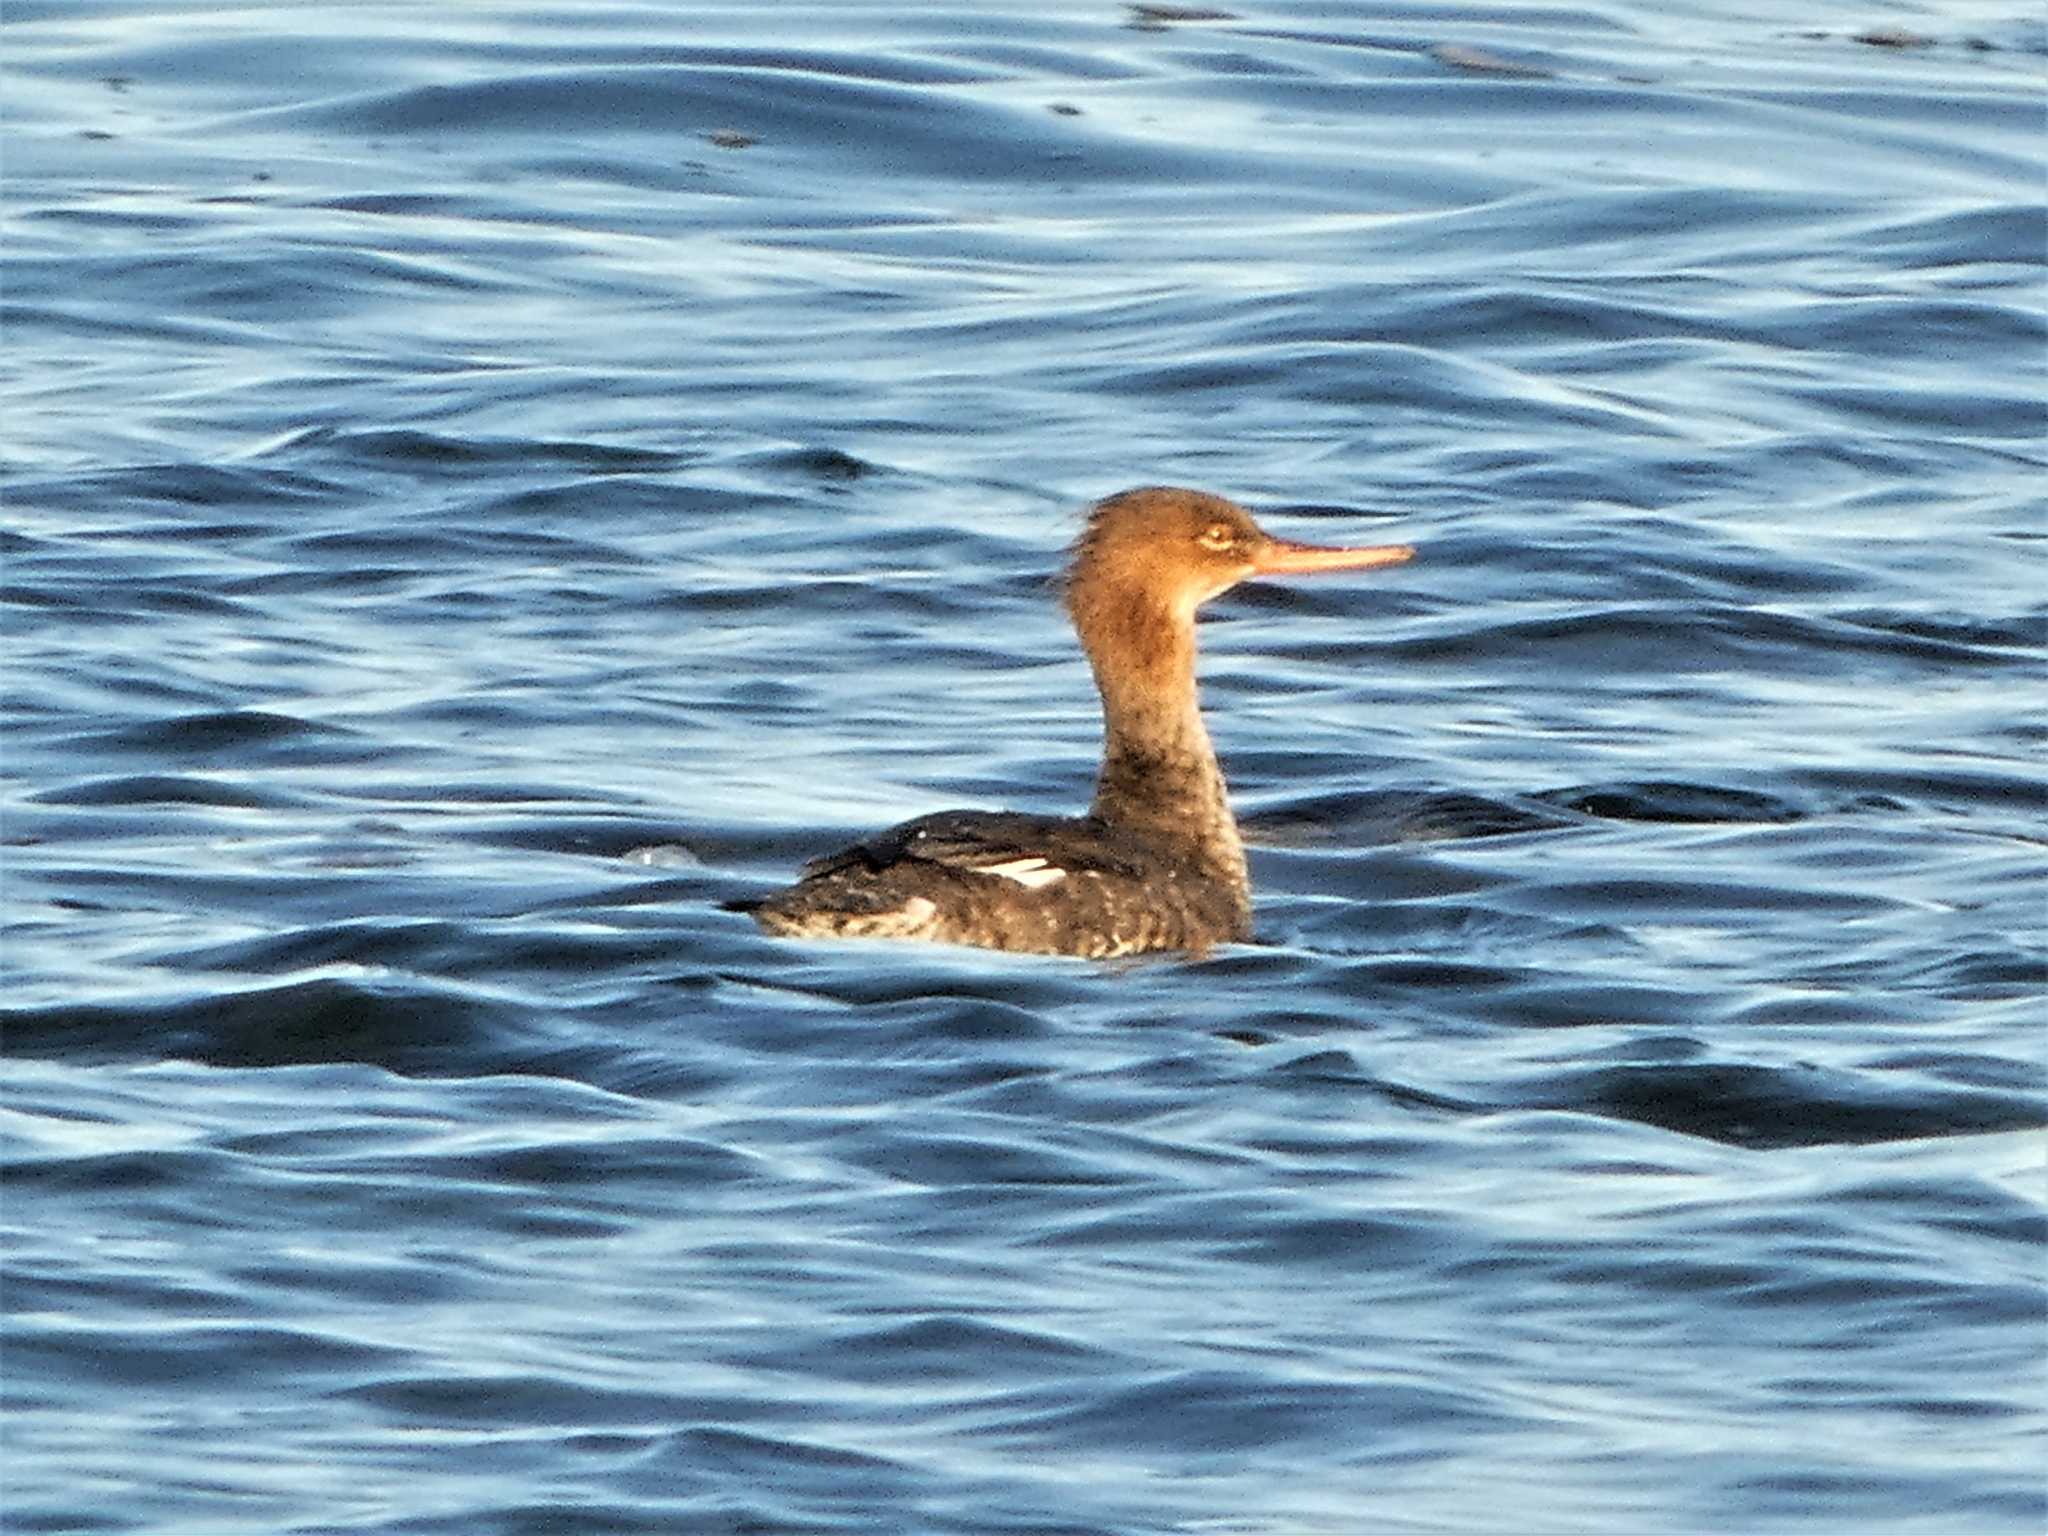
(1282, 556)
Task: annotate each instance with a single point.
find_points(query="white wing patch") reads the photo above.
(1032, 873)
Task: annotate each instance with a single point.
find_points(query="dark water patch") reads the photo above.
(1458, 977)
(178, 486)
(126, 598)
(37, 1284)
(949, 1162)
(65, 1519)
(239, 733)
(2019, 634)
(1536, 318)
(1994, 233)
(537, 1398)
(986, 1024)
(331, 576)
(1772, 1107)
(359, 1280)
(1979, 1210)
(400, 1028)
(2018, 1075)
(409, 451)
(1339, 1069)
(449, 549)
(969, 1350)
(483, 793)
(418, 946)
(1675, 803)
(153, 1357)
(1709, 226)
(1981, 414)
(620, 1173)
(1633, 639)
(1930, 1500)
(1532, 1005)
(926, 973)
(1649, 899)
(158, 1172)
(828, 464)
(783, 110)
(1896, 327)
(1227, 1413)
(798, 1468)
(170, 789)
(1394, 816)
(779, 1456)
(1987, 785)
(650, 1515)
(1342, 1241)
(2015, 971)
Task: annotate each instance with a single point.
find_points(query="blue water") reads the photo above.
(485, 483)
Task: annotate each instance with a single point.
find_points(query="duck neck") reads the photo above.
(1159, 772)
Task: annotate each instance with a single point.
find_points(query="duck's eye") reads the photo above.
(1217, 536)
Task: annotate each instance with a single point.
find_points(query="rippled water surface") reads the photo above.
(485, 484)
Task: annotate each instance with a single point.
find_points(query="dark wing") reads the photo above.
(1030, 850)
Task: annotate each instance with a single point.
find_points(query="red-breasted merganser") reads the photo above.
(1157, 862)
